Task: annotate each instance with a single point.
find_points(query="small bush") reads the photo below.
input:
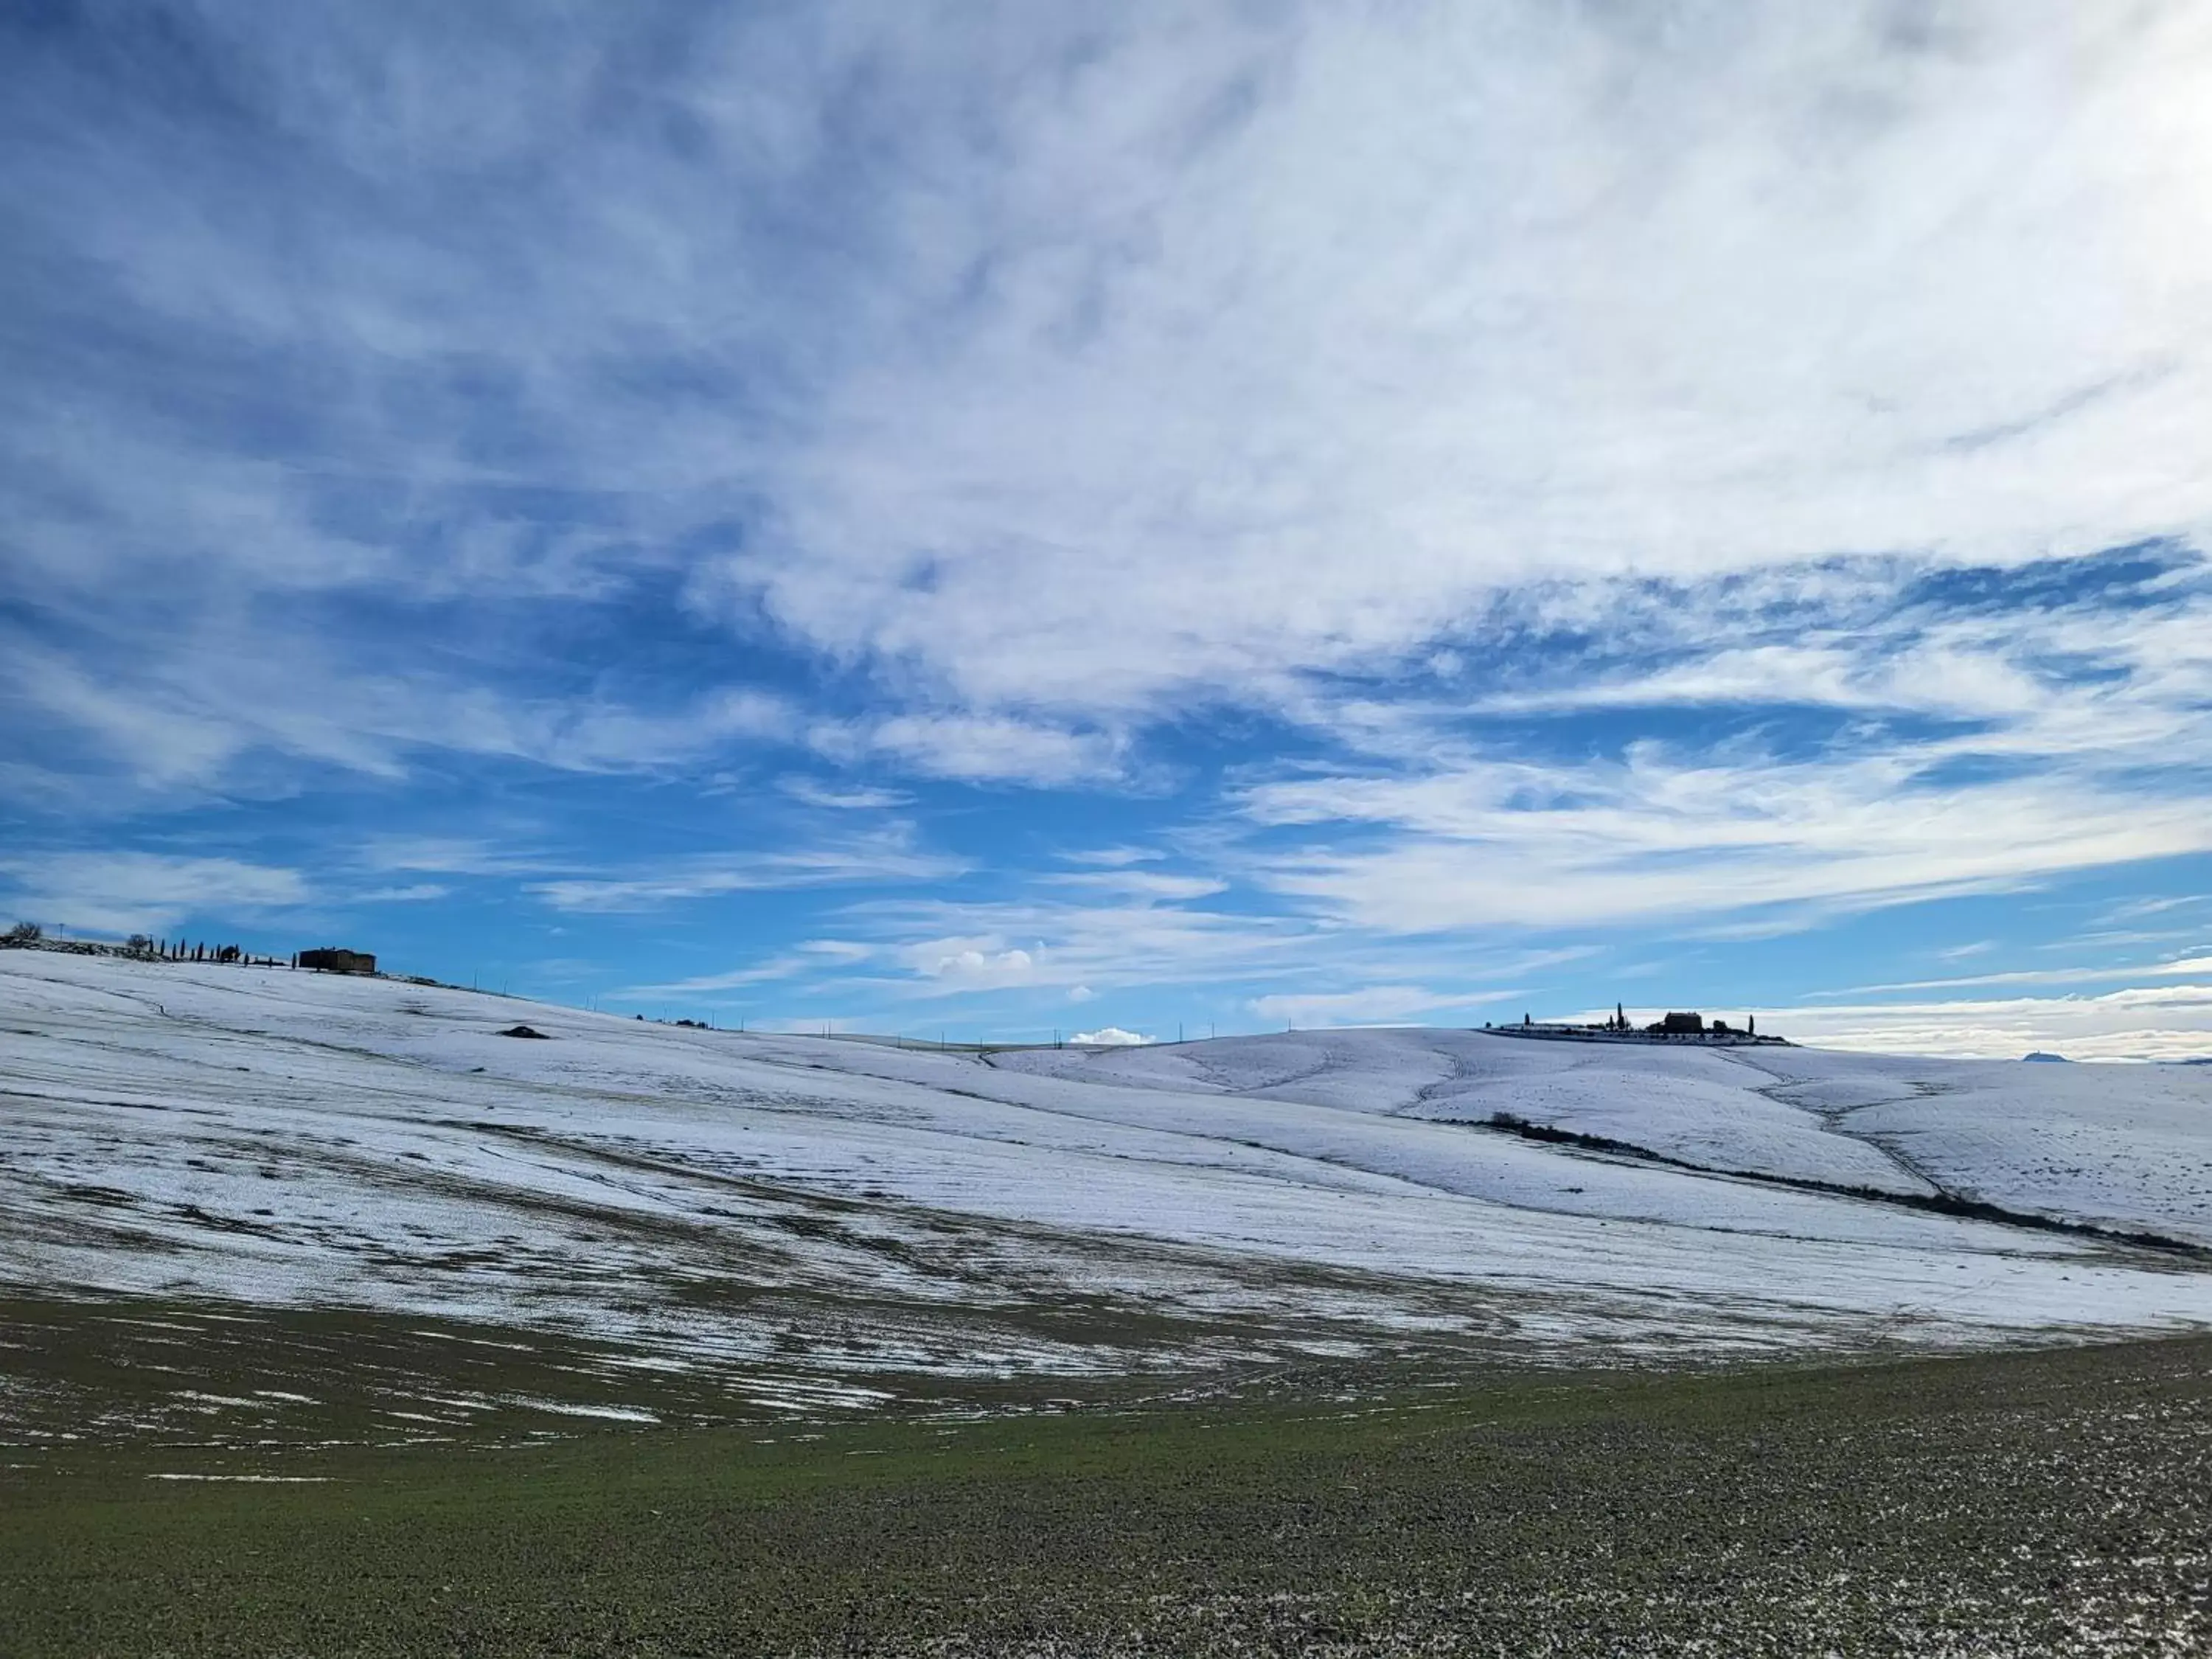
(23, 933)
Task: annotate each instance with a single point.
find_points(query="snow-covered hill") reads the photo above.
(273, 1137)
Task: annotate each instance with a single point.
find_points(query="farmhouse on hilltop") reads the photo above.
(331, 960)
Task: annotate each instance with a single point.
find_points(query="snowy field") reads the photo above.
(821, 1214)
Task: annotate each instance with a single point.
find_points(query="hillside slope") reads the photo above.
(835, 1213)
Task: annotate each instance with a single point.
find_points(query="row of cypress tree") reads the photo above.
(182, 951)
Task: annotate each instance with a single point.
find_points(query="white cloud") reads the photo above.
(419, 892)
(1110, 1037)
(1144, 883)
(855, 799)
(2181, 968)
(888, 860)
(595, 737)
(1584, 297)
(976, 748)
(836, 950)
(1660, 834)
(2029, 742)
(811, 957)
(947, 946)
(1215, 394)
(453, 855)
(164, 740)
(970, 966)
(1084, 952)
(171, 725)
(126, 893)
(760, 973)
(2075, 678)
(2172, 1022)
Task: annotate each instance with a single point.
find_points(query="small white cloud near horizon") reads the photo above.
(2140, 1023)
(1110, 1037)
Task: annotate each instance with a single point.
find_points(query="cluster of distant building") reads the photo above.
(1669, 1028)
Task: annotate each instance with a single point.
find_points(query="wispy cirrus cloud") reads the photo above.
(121, 893)
(812, 957)
(861, 798)
(2181, 968)
(883, 861)
(512, 855)
(1830, 747)
(976, 748)
(1030, 953)
(173, 724)
(1657, 834)
(1772, 291)
(418, 892)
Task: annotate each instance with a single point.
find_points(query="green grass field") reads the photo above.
(2059, 1501)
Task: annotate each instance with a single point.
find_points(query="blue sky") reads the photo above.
(1000, 518)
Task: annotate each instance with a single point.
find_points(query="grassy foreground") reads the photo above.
(2048, 1503)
